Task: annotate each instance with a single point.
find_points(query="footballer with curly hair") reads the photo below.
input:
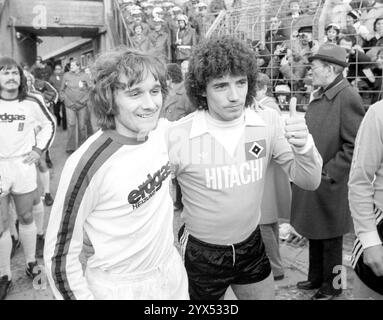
(220, 155)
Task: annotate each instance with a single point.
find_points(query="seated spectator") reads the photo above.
(312, 7)
(339, 12)
(262, 55)
(282, 93)
(359, 72)
(332, 33)
(294, 19)
(355, 28)
(273, 69)
(274, 35)
(378, 73)
(372, 11)
(376, 42)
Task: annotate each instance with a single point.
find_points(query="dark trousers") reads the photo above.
(324, 256)
(60, 114)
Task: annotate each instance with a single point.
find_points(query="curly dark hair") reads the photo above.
(8, 63)
(214, 58)
(107, 70)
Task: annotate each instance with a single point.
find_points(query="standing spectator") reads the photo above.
(216, 6)
(140, 41)
(322, 216)
(366, 204)
(177, 104)
(276, 200)
(41, 70)
(189, 7)
(67, 66)
(148, 10)
(59, 111)
(74, 89)
(185, 39)
(160, 39)
(202, 20)
(136, 15)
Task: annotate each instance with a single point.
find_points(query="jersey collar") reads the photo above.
(199, 124)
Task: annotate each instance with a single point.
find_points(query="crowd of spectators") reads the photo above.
(172, 29)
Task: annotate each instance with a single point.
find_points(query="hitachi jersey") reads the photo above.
(116, 189)
(18, 120)
(222, 193)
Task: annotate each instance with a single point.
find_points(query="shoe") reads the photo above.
(40, 241)
(307, 285)
(48, 200)
(5, 285)
(319, 295)
(280, 277)
(15, 245)
(33, 270)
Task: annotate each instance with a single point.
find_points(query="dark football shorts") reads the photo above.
(213, 268)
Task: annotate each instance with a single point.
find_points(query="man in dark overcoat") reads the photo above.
(322, 216)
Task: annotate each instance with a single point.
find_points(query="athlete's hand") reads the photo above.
(373, 257)
(32, 158)
(296, 131)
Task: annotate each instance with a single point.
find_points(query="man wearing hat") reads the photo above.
(160, 39)
(355, 28)
(322, 216)
(185, 39)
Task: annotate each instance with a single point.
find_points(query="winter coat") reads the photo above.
(333, 118)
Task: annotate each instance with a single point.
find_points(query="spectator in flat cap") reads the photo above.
(322, 216)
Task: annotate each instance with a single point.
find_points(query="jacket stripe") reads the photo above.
(96, 155)
(49, 117)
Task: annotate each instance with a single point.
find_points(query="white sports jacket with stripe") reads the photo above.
(116, 190)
